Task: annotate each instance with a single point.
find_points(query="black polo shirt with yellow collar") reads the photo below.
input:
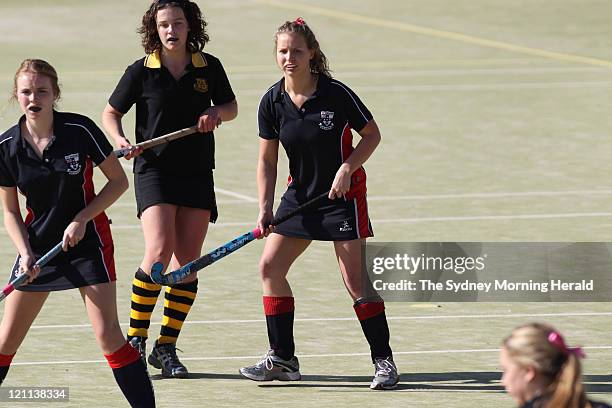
(317, 137)
(60, 184)
(164, 105)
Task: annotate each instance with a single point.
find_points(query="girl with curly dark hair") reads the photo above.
(176, 85)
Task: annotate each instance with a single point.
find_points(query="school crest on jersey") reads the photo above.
(200, 85)
(74, 166)
(327, 120)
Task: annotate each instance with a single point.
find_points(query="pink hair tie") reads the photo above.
(299, 21)
(556, 340)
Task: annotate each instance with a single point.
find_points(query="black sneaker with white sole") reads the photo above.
(163, 356)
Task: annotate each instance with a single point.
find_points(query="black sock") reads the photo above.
(3, 372)
(279, 320)
(373, 322)
(132, 377)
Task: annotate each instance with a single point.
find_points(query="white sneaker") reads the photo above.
(272, 367)
(385, 377)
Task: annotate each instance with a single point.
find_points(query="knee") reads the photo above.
(109, 337)
(269, 270)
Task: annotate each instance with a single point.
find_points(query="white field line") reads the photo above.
(491, 195)
(233, 194)
(441, 72)
(424, 197)
(493, 217)
(418, 220)
(236, 195)
(500, 86)
(415, 220)
(250, 200)
(331, 355)
(343, 319)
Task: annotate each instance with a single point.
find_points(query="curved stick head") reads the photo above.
(156, 272)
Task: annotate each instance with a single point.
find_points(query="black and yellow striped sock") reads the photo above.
(178, 301)
(144, 297)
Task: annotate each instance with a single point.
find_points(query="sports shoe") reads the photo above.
(385, 377)
(163, 356)
(272, 367)
(140, 344)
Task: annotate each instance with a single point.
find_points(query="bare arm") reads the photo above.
(17, 231)
(115, 186)
(111, 121)
(370, 138)
(266, 180)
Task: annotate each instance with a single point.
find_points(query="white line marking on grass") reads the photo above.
(352, 318)
(236, 195)
(432, 219)
(417, 220)
(482, 87)
(217, 189)
(443, 72)
(500, 86)
(493, 217)
(330, 355)
(432, 32)
(490, 195)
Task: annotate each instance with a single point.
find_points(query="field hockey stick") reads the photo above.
(18, 281)
(158, 140)
(224, 250)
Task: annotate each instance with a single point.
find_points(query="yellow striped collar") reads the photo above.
(154, 60)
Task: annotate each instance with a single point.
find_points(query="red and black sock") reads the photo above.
(5, 364)
(132, 377)
(279, 319)
(373, 321)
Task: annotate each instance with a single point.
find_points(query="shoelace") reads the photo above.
(383, 367)
(266, 361)
(169, 354)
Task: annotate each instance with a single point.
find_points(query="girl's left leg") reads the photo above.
(191, 225)
(370, 311)
(128, 368)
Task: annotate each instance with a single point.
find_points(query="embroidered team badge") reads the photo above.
(345, 227)
(327, 120)
(200, 85)
(74, 166)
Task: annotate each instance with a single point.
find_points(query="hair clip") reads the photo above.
(556, 340)
(300, 21)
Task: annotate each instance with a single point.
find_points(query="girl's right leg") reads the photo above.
(129, 370)
(158, 225)
(20, 310)
(279, 363)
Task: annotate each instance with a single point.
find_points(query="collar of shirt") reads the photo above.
(18, 142)
(153, 60)
(323, 86)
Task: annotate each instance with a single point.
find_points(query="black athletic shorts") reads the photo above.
(155, 186)
(80, 266)
(332, 220)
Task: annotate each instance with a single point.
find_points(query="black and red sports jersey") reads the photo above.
(164, 105)
(317, 137)
(58, 185)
